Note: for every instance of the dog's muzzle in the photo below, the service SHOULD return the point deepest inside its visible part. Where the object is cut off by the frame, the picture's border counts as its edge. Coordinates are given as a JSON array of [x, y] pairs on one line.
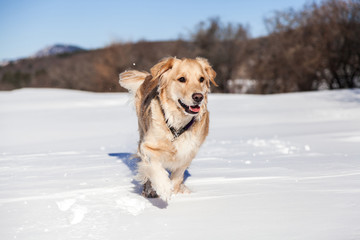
[[195, 109]]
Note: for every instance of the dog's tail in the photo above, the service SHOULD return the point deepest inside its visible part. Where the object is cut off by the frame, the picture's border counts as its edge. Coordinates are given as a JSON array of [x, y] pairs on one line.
[[132, 80]]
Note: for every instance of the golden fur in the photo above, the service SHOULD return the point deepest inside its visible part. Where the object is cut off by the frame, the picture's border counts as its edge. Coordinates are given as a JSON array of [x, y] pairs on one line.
[[157, 96]]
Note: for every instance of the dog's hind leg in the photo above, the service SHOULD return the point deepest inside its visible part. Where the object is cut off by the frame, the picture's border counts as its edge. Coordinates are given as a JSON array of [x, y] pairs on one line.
[[177, 177]]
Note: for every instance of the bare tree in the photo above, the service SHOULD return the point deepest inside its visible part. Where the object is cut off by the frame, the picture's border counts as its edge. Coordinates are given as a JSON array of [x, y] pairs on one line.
[[318, 44], [223, 45]]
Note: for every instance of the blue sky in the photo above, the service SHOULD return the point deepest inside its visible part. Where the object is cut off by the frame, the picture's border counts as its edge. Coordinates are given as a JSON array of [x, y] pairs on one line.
[[29, 25]]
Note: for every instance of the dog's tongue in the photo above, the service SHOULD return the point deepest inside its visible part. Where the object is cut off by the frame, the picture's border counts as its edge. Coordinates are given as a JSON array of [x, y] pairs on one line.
[[194, 108]]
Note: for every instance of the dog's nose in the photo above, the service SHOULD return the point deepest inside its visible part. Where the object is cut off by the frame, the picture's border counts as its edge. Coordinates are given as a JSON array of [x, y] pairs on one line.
[[198, 97]]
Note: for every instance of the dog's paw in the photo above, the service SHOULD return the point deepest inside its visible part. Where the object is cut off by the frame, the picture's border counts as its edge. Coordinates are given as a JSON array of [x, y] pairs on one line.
[[149, 191], [182, 189], [164, 191]]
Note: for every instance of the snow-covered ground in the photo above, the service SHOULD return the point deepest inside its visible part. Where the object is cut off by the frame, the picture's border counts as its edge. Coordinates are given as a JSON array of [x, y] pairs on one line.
[[273, 167]]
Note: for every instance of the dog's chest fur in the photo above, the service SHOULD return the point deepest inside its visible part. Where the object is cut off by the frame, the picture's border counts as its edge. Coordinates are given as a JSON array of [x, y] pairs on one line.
[[186, 147], [176, 152], [188, 143]]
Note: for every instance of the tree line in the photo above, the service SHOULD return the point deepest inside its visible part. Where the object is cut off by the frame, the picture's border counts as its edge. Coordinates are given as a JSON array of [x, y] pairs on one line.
[[315, 47]]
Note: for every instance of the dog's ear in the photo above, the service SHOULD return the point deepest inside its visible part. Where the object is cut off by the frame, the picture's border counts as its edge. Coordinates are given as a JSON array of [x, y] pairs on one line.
[[161, 67], [208, 69]]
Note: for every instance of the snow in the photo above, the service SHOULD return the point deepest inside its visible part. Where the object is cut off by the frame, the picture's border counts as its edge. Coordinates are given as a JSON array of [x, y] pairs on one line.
[[273, 167]]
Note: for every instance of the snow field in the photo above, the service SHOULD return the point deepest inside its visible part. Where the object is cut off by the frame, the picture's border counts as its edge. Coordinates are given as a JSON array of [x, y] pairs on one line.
[[273, 167]]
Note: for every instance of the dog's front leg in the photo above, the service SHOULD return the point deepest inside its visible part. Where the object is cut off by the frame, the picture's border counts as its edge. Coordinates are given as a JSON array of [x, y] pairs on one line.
[[151, 169]]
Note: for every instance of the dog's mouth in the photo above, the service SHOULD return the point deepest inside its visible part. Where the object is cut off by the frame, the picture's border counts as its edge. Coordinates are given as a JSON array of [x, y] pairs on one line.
[[195, 109]]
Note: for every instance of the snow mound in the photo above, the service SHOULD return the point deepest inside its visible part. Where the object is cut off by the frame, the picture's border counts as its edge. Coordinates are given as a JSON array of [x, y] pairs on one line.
[[132, 206]]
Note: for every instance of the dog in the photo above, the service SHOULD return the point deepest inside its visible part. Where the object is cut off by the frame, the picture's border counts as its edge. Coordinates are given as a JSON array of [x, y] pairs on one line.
[[173, 120]]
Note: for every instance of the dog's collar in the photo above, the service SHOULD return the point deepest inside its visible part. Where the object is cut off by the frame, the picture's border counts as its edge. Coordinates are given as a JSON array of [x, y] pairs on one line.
[[177, 133]]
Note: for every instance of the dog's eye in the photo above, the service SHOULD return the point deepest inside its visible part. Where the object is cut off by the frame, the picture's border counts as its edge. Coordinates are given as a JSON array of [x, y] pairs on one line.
[[201, 79], [182, 79]]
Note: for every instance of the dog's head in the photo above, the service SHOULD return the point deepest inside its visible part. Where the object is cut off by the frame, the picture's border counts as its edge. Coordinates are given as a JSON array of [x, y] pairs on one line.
[[185, 82]]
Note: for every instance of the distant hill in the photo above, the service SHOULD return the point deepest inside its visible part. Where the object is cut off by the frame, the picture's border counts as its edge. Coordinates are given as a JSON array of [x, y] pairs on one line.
[[56, 50], [91, 70]]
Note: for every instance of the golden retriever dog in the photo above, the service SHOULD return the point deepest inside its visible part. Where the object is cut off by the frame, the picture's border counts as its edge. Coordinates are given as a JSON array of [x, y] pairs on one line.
[[171, 106]]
